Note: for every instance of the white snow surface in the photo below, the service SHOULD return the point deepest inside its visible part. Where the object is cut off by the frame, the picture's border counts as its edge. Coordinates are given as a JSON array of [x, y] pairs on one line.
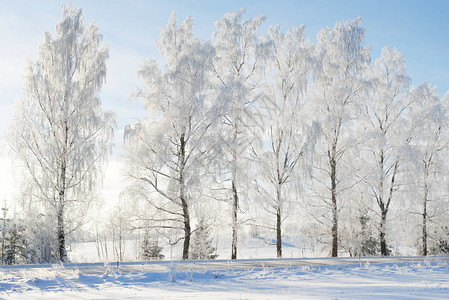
[[428, 279]]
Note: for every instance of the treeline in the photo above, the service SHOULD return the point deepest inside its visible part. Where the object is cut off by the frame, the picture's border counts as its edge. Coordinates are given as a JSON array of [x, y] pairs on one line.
[[267, 131]]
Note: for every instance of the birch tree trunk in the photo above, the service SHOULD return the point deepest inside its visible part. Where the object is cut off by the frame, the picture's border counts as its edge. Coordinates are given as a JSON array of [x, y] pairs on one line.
[[235, 197], [61, 233], [183, 198], [424, 211], [333, 178], [278, 233], [235, 206]]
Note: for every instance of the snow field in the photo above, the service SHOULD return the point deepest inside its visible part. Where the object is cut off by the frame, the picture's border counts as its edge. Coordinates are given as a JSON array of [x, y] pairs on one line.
[[424, 280]]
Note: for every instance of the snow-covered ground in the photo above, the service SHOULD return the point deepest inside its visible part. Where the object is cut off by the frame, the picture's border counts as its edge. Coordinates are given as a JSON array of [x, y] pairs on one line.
[[405, 280], [258, 275]]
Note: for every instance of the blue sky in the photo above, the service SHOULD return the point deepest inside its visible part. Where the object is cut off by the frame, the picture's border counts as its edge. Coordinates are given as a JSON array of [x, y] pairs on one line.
[[419, 29]]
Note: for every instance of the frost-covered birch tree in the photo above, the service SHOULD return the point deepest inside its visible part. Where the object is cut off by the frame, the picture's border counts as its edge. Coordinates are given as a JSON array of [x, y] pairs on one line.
[[238, 68], [168, 153], [385, 107], [343, 59], [430, 144], [59, 130], [283, 134]]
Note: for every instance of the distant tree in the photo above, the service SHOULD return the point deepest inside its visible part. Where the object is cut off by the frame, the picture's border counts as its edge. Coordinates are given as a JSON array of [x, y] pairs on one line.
[[283, 135], [368, 244], [101, 242], [386, 127], [118, 228], [167, 155], [40, 238], [358, 236], [440, 245], [338, 84], [430, 142], [16, 244], [150, 249], [238, 66], [4, 227], [202, 242], [59, 130]]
